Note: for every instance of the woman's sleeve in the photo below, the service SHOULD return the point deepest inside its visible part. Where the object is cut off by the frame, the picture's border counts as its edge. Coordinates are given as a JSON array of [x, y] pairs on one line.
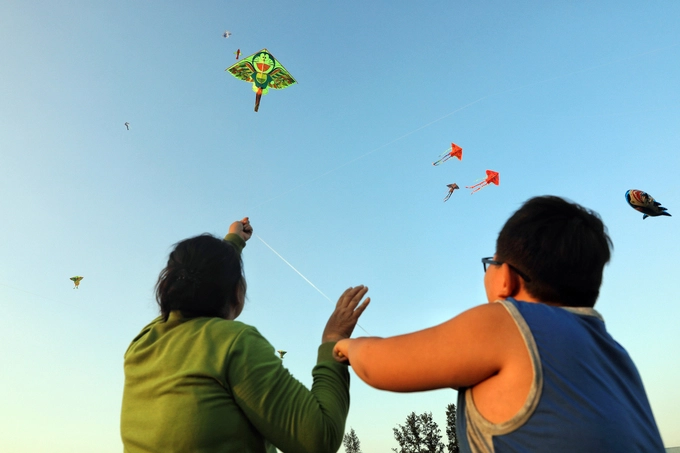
[[236, 240], [290, 416]]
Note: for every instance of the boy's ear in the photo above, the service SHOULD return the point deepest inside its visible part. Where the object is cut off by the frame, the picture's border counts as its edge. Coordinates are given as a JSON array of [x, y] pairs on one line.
[[510, 282]]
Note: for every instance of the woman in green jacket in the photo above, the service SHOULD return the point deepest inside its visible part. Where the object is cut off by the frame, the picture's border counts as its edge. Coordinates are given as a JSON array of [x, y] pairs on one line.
[[196, 380]]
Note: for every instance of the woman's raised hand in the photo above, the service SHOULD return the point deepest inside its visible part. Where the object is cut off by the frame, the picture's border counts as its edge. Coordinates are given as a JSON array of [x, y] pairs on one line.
[[346, 314], [242, 228]]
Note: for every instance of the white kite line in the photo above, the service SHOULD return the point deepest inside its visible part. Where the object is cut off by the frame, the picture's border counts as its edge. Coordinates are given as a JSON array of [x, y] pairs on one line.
[[549, 79], [509, 90], [300, 274]]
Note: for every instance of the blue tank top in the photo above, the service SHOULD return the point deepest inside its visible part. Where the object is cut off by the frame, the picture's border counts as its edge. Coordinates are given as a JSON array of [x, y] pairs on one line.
[[586, 396]]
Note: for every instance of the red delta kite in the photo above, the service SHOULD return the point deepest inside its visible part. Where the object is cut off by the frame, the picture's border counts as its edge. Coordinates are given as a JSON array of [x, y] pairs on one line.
[[454, 151], [492, 177]]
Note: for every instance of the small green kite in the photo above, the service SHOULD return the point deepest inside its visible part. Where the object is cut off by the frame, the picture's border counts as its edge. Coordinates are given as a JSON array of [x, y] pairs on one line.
[[264, 71], [76, 280]]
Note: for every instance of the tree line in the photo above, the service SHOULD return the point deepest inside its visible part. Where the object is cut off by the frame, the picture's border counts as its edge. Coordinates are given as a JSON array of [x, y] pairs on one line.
[[420, 434]]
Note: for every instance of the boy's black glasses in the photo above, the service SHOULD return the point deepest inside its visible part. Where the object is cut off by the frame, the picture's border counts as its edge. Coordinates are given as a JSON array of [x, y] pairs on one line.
[[489, 260]]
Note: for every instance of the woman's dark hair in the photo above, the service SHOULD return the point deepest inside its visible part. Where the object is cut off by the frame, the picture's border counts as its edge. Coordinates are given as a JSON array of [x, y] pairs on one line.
[[203, 277], [561, 246]]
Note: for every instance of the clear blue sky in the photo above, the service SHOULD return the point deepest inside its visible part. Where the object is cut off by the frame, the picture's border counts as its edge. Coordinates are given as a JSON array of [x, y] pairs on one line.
[[579, 99]]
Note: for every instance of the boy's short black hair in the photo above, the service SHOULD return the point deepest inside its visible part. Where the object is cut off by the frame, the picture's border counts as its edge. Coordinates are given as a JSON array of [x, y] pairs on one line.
[[561, 246]]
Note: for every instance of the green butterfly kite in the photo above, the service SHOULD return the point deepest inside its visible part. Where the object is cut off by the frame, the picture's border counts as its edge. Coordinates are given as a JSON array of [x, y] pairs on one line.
[[264, 71], [76, 281]]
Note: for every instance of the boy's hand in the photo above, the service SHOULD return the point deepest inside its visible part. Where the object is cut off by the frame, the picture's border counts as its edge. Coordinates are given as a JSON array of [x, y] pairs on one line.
[[340, 351]]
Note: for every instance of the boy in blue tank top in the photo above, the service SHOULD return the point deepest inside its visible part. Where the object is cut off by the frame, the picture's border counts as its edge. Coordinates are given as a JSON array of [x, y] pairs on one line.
[[535, 369]]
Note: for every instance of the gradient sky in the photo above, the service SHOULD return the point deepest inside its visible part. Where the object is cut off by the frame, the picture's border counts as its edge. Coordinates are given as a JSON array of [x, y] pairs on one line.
[[579, 99]]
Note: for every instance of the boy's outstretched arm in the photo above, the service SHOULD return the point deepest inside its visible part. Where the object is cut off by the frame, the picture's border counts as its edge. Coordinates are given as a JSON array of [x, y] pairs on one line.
[[462, 352]]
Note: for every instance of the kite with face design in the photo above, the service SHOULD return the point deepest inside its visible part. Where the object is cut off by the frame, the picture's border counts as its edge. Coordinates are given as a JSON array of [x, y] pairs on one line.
[[264, 71]]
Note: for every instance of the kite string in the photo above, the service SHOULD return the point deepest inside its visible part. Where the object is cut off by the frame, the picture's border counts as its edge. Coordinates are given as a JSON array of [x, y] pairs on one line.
[[33, 294], [369, 152], [425, 126], [498, 93], [300, 274], [293, 267]]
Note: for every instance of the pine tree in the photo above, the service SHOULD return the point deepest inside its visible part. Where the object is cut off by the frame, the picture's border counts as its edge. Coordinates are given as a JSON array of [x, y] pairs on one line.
[[351, 442], [451, 429], [420, 434]]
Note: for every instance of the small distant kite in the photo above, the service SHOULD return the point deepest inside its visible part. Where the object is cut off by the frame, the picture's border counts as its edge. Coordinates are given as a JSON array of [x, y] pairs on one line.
[[237, 53], [492, 177], [127, 125], [281, 353], [644, 203], [264, 71], [451, 187], [226, 33], [76, 280], [454, 151]]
